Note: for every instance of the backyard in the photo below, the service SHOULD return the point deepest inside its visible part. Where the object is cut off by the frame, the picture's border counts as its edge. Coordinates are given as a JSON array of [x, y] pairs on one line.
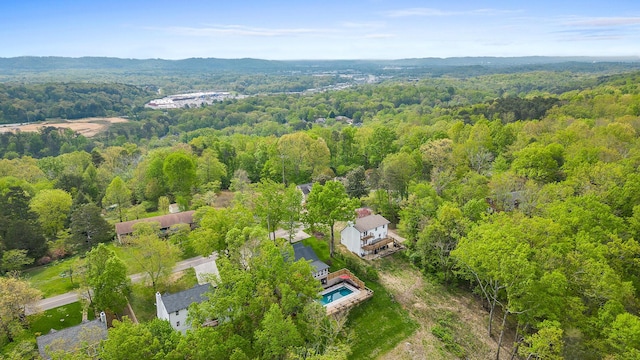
[[376, 325]]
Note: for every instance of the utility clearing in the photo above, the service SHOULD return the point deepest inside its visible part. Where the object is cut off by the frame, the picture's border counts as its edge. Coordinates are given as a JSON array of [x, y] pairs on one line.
[[453, 324]]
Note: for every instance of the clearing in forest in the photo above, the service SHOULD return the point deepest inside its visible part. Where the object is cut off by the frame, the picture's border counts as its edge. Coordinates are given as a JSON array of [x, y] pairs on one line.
[[452, 324], [87, 127]]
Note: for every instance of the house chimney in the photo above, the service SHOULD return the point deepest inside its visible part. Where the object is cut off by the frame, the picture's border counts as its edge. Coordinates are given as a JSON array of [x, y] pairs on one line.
[[103, 317], [159, 312]]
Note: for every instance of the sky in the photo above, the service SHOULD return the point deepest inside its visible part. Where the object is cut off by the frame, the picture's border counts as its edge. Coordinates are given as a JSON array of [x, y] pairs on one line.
[[310, 29]]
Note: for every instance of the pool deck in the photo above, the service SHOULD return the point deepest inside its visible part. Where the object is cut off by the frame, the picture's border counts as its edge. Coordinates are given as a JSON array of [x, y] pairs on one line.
[[345, 277]]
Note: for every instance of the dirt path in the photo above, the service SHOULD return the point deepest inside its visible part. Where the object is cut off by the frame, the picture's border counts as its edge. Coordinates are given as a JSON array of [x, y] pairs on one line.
[[433, 305]]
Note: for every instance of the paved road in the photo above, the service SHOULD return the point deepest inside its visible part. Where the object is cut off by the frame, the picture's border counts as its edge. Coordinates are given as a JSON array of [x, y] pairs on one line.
[[72, 296]]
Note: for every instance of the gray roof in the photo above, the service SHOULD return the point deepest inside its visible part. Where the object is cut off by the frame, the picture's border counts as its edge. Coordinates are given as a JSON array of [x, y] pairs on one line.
[[87, 333], [165, 221], [305, 188], [319, 265], [370, 222], [301, 251], [182, 300]]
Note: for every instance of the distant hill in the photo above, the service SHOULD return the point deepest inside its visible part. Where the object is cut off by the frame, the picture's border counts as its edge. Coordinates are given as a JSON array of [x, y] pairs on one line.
[[31, 64]]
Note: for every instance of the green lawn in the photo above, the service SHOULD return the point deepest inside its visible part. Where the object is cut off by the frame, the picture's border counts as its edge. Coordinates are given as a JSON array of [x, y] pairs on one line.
[[40, 324], [59, 318], [378, 324], [52, 279]]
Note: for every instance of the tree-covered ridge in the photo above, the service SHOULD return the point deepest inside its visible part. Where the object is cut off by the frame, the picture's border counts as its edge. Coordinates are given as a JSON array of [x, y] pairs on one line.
[[29, 103]]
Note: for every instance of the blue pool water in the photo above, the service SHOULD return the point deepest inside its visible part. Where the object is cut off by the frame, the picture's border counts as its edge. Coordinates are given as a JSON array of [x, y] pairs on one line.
[[334, 295]]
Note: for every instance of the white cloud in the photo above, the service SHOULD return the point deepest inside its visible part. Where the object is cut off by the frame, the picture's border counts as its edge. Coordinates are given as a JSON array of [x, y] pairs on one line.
[[431, 12], [605, 21], [241, 30]]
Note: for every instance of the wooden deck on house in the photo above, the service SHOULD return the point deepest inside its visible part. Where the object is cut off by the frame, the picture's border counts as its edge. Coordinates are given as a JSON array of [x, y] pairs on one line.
[[392, 238]]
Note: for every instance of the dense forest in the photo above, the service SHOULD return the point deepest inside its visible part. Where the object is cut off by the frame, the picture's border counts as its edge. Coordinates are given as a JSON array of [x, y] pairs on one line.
[[521, 187]]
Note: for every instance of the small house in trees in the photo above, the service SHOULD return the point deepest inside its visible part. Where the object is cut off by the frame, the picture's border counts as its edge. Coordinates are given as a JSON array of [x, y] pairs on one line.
[[125, 228], [85, 337], [320, 269], [367, 235], [305, 189], [174, 307]]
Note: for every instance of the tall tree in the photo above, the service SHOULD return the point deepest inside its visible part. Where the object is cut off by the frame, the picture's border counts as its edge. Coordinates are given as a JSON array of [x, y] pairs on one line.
[[292, 202], [210, 169], [180, 172], [117, 194], [107, 276], [88, 227], [52, 207], [269, 204], [380, 144], [155, 258], [356, 183], [328, 204], [15, 296], [20, 228], [214, 224]]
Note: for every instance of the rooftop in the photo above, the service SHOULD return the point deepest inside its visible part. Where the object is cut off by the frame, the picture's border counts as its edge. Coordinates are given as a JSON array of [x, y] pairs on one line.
[[302, 251], [370, 222], [182, 300], [67, 340], [305, 188]]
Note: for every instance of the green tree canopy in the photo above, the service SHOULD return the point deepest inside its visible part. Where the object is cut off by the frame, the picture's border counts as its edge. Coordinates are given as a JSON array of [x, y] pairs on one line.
[[328, 204], [52, 207]]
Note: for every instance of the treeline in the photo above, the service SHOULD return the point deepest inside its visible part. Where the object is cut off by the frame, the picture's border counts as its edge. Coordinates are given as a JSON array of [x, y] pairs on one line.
[[29, 103], [48, 141]]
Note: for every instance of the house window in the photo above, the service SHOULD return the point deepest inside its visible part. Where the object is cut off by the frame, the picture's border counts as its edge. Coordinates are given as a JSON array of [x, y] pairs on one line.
[[177, 323], [177, 312]]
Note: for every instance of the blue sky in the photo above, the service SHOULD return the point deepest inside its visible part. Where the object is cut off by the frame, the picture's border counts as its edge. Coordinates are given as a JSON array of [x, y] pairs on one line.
[[346, 29]]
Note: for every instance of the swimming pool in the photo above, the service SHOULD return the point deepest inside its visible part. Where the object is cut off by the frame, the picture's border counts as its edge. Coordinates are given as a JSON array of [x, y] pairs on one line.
[[335, 294]]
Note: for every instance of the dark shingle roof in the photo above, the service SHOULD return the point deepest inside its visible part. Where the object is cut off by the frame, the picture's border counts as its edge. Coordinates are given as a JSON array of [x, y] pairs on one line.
[[370, 222], [305, 188], [73, 337], [166, 221], [182, 300], [301, 251]]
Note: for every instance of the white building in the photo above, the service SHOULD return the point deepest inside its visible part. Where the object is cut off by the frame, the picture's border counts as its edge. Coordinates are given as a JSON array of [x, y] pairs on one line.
[[174, 307], [366, 235]]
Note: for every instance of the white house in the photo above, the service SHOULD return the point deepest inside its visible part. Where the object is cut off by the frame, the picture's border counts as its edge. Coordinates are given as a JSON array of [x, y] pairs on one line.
[[174, 307], [366, 235], [320, 269]]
